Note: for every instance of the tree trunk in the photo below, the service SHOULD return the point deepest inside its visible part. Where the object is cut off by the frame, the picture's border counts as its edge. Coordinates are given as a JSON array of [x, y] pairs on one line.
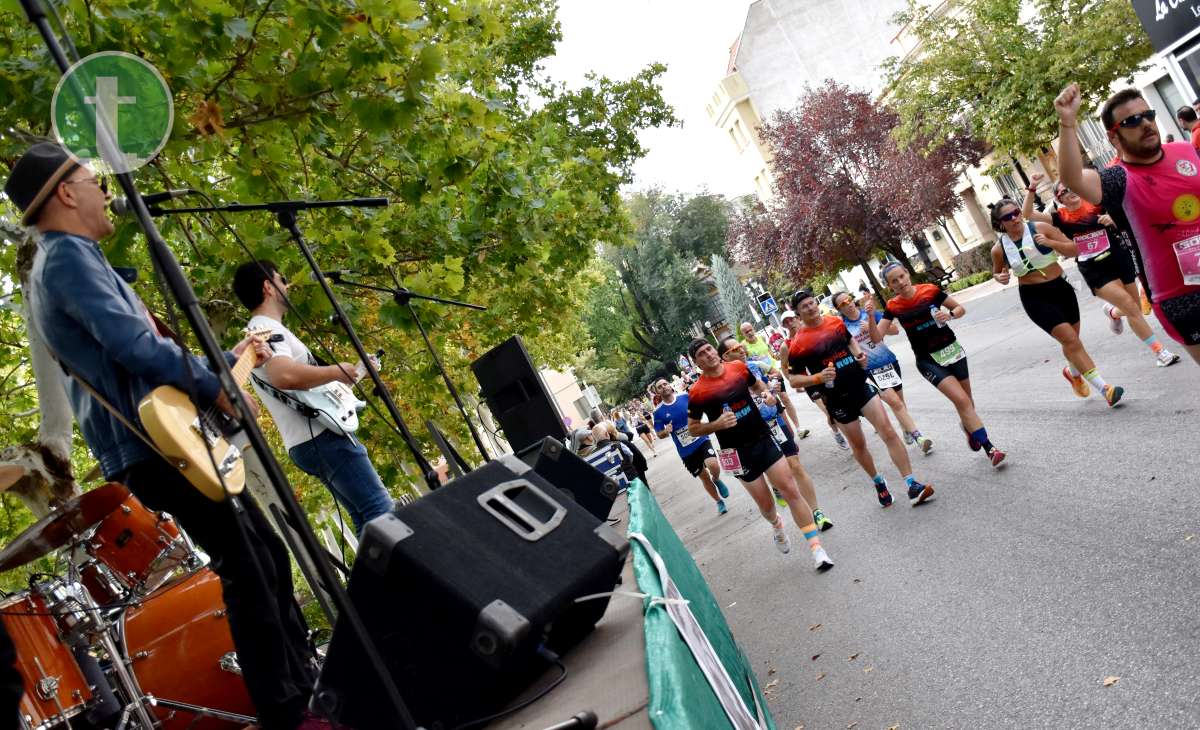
[[39, 473], [875, 285], [949, 235]]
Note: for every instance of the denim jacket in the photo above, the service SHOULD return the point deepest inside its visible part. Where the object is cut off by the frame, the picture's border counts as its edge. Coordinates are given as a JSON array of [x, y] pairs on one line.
[[95, 324]]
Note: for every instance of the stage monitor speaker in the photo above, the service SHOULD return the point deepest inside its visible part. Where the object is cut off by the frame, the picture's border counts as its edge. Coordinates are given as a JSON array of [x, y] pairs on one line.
[[516, 395], [573, 476], [461, 589]]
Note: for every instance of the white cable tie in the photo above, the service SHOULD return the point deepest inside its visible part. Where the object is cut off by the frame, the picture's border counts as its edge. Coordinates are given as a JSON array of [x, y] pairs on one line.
[[654, 600]]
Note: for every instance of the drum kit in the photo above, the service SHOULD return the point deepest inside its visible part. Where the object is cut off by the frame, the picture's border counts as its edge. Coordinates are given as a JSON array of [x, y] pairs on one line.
[[134, 635]]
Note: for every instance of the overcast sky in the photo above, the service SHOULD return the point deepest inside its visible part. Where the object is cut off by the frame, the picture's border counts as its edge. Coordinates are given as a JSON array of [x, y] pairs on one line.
[[617, 38]]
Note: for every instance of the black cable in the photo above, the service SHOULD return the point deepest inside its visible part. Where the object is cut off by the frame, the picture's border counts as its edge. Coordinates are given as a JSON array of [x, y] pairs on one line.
[[548, 656]]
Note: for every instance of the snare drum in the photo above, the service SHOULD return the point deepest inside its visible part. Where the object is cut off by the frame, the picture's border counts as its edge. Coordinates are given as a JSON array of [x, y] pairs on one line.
[[181, 651], [55, 688], [142, 548]]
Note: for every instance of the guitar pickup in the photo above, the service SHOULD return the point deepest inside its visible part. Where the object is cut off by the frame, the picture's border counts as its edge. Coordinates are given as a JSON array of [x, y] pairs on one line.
[[232, 456]]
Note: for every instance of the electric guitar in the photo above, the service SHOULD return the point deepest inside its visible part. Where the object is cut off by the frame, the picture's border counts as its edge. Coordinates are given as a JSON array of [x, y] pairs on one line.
[[192, 440], [334, 404]]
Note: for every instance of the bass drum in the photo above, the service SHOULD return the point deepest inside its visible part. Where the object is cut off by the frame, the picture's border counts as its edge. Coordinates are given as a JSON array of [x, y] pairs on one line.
[[181, 651]]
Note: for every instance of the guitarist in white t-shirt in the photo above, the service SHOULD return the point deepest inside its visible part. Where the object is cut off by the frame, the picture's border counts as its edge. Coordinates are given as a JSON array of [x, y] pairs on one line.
[[332, 455]]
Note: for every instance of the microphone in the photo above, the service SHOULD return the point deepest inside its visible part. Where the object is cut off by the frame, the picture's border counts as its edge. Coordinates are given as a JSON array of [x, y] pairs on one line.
[[334, 275], [122, 206]]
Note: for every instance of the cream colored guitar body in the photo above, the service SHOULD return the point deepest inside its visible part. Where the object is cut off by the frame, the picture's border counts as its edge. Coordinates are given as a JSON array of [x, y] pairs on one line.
[[188, 438]]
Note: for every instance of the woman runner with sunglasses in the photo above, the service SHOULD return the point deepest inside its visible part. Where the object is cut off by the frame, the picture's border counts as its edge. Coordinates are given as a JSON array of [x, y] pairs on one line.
[[1031, 251], [1104, 264], [921, 311]]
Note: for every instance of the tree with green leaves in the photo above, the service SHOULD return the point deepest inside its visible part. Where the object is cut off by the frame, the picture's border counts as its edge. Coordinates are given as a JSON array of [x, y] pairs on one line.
[[501, 181], [993, 67], [735, 305]]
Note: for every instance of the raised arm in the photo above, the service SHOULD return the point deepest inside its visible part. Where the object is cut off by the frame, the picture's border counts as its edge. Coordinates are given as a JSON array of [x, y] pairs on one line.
[[1070, 158], [1027, 208]]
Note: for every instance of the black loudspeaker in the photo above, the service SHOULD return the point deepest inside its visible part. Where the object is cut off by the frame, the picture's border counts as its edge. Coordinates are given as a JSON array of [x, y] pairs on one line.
[[516, 395], [461, 588], [572, 476]]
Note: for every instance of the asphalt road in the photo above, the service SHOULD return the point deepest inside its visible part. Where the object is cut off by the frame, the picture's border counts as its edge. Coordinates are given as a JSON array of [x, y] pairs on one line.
[[1009, 599]]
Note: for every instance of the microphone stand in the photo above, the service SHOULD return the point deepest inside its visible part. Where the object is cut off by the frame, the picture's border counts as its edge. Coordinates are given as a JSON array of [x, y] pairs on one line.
[[285, 212], [186, 299], [404, 296]]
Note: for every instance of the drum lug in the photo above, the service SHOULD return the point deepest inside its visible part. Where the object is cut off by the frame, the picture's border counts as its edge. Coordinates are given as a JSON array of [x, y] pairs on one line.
[[229, 663], [220, 613], [137, 656], [47, 688]]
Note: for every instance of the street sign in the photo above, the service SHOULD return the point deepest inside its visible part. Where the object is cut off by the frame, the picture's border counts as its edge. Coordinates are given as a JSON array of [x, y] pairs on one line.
[[767, 304]]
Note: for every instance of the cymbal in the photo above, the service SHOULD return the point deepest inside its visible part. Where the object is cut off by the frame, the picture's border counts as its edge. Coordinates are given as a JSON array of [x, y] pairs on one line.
[[62, 525]]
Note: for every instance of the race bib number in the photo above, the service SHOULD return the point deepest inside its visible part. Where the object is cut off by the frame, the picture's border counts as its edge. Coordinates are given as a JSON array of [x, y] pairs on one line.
[[887, 377], [730, 461], [777, 432], [1092, 244], [1187, 253], [685, 437], [949, 354]]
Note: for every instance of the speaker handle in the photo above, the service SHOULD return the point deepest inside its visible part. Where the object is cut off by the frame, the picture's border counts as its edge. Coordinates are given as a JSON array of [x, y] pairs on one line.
[[510, 514]]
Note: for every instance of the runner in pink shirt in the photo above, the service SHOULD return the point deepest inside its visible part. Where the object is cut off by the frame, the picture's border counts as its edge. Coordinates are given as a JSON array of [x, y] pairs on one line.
[[1156, 187]]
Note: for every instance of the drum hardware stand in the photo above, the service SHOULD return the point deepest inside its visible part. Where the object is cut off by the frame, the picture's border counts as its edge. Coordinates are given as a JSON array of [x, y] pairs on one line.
[[175, 281]]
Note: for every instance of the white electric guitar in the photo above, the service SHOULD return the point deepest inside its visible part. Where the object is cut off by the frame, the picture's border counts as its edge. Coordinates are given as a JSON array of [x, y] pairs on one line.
[[334, 404]]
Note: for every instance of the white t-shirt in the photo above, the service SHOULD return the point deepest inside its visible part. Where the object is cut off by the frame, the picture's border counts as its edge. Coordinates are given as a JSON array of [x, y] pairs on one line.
[[293, 427]]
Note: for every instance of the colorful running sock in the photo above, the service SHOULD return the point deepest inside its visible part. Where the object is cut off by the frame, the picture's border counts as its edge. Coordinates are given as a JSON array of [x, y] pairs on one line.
[[878, 479], [1071, 369], [908, 480], [1153, 343], [981, 438], [1093, 377], [916, 434], [812, 534]]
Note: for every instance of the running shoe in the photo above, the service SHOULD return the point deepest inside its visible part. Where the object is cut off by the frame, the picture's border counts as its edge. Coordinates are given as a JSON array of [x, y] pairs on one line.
[[1112, 394], [885, 497], [821, 520], [840, 440], [908, 439], [1078, 384], [821, 559], [779, 500], [918, 493], [722, 489], [925, 443], [971, 442], [1115, 323], [997, 456], [782, 543], [803, 433], [1166, 358], [721, 508]]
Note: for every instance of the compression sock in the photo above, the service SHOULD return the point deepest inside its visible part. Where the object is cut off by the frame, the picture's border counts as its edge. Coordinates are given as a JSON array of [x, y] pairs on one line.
[[1093, 377], [1153, 343], [811, 534], [981, 438]]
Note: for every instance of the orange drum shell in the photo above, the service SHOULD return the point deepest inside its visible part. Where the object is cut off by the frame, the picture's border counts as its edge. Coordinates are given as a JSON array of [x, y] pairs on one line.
[[176, 640], [37, 637], [131, 539]]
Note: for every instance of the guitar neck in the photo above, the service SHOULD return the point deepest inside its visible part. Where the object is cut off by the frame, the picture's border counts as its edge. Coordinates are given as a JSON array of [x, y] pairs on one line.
[[241, 369]]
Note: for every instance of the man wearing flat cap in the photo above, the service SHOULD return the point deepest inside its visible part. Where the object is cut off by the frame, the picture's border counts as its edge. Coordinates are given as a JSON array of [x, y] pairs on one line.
[[99, 329]]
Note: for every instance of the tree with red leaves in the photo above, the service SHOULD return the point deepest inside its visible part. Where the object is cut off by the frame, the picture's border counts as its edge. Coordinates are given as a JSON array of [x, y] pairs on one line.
[[844, 189]]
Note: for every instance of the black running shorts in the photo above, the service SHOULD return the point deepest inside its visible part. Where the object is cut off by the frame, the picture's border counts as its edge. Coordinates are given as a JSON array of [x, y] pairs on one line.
[[1050, 303], [1114, 264], [935, 373], [1180, 317], [694, 462], [788, 445], [757, 457], [847, 407]]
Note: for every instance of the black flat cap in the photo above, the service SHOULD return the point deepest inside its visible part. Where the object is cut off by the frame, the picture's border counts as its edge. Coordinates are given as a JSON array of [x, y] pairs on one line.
[[36, 175]]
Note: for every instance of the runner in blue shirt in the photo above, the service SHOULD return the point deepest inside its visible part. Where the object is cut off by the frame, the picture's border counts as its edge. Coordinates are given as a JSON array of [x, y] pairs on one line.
[[731, 349], [671, 419], [882, 364]]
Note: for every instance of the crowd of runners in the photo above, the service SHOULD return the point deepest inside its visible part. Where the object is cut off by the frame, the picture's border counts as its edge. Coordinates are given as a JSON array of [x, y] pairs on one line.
[[1138, 218]]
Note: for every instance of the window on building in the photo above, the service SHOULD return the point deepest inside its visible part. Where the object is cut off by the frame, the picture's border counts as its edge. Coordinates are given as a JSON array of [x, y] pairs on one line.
[[1008, 186], [738, 133], [1189, 62], [1094, 139]]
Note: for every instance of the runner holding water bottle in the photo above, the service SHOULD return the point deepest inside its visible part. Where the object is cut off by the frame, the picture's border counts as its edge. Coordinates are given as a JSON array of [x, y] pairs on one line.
[[823, 352], [723, 396], [923, 311]]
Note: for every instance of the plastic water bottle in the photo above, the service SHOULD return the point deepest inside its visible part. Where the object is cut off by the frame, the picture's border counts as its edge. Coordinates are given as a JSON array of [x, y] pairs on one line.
[[829, 383], [932, 313]]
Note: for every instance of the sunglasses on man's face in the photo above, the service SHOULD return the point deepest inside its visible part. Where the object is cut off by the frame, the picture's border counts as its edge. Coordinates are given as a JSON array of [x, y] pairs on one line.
[[1011, 215], [1133, 121], [101, 182]]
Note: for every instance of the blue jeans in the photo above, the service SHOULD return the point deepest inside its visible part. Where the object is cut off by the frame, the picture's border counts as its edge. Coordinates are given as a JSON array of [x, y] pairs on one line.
[[342, 465]]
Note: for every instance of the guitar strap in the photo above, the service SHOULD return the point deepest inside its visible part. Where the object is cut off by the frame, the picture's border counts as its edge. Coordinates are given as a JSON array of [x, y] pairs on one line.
[[286, 398]]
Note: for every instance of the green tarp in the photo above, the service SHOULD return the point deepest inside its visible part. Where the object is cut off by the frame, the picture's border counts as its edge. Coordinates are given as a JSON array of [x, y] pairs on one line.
[[680, 696]]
